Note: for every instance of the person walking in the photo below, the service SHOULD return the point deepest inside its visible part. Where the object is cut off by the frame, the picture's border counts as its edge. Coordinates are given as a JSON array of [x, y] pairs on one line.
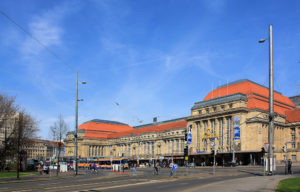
[[40, 169], [171, 169], [156, 167], [290, 166], [95, 168]]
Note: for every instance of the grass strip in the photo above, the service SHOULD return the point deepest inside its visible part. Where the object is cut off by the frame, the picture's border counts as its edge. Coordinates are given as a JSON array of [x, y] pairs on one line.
[[14, 174], [289, 185]]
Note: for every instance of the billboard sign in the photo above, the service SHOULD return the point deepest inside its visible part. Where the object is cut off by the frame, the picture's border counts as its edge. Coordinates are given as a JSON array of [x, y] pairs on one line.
[[236, 128], [189, 136]]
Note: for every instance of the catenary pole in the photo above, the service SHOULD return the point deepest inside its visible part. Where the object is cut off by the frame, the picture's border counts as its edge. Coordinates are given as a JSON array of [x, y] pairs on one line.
[[271, 103], [76, 125]]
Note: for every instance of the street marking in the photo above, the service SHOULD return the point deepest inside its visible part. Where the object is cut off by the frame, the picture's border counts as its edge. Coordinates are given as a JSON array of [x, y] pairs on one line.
[[126, 185]]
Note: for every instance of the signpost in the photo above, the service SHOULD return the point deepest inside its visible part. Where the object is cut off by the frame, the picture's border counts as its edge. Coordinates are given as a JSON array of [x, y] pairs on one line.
[[266, 145]]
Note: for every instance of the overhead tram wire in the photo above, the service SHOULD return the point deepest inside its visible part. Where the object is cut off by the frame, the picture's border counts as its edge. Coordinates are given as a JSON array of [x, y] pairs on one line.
[[38, 41], [54, 54]]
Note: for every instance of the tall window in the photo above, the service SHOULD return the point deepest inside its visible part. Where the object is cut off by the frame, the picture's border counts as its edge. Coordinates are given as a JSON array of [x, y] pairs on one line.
[[129, 149], [159, 149], [228, 131], [172, 146], [293, 134], [182, 146], [152, 148], [213, 125], [205, 123], [198, 124], [221, 134], [148, 148], [177, 145]]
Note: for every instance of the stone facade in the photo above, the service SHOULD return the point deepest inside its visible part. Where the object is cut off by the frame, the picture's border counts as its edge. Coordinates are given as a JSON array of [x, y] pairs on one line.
[[43, 150], [232, 120], [162, 140]]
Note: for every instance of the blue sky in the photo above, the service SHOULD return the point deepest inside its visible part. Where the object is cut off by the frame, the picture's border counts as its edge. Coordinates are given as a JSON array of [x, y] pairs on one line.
[[154, 58]]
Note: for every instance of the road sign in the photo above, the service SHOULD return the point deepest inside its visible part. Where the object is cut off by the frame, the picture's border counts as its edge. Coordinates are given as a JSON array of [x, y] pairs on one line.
[[267, 145], [212, 143]]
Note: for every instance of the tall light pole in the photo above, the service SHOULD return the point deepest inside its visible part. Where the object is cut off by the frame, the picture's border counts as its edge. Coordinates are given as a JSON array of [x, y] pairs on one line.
[[271, 102], [76, 123]]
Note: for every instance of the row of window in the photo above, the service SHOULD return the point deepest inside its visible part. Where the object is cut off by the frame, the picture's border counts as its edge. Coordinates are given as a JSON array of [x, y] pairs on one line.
[[215, 109], [149, 136]]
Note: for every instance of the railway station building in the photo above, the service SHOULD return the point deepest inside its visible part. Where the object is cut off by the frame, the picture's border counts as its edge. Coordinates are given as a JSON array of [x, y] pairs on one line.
[[230, 122]]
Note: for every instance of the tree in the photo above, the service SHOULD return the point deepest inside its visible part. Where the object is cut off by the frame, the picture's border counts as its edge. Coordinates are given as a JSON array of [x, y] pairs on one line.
[[17, 129], [8, 109], [24, 131], [58, 131]]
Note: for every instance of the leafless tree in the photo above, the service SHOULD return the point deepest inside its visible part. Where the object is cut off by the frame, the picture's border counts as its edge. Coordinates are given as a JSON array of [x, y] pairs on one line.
[[8, 109], [58, 131], [24, 132], [17, 129]]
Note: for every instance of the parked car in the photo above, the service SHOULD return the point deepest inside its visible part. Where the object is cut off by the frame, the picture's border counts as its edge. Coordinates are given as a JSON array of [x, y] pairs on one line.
[[230, 164], [190, 165]]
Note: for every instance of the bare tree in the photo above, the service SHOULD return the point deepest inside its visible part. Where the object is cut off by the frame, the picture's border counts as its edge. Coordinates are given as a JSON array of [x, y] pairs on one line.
[[17, 129], [58, 131], [8, 109], [24, 131]]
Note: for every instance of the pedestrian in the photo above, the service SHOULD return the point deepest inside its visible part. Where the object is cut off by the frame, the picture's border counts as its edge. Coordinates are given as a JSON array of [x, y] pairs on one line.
[[94, 167], [290, 166], [40, 169], [171, 169], [156, 167], [134, 170]]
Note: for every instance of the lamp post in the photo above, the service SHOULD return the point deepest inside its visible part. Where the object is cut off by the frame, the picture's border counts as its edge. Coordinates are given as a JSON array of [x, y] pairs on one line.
[[76, 123], [271, 102]]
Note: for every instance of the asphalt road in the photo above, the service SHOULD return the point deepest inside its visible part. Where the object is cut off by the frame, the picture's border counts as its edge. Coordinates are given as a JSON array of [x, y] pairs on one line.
[[184, 179]]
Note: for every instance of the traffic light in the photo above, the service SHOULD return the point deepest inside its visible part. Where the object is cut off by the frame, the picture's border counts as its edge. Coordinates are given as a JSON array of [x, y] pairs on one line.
[[186, 151], [263, 150], [185, 136]]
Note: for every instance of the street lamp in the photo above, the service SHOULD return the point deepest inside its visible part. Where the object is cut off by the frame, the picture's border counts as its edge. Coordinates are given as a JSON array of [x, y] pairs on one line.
[[271, 102], [76, 123]]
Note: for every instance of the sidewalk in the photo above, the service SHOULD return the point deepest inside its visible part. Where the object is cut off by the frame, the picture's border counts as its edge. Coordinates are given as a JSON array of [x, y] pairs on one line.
[[255, 183]]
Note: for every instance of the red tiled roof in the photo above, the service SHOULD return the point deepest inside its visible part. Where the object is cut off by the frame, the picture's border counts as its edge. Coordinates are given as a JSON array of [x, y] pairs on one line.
[[257, 95], [150, 129], [293, 116], [101, 130]]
